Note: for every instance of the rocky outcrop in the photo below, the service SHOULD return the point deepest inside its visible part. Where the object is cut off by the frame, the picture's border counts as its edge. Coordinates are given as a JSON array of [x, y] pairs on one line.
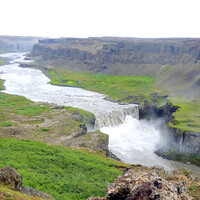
[[183, 141], [10, 178], [100, 52], [142, 185], [173, 138], [35, 193]]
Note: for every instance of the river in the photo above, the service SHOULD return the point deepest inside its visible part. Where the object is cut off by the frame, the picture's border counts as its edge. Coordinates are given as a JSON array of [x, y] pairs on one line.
[[130, 139]]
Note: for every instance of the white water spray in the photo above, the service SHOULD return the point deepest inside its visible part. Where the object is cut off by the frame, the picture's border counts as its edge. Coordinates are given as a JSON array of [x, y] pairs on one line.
[[134, 141]]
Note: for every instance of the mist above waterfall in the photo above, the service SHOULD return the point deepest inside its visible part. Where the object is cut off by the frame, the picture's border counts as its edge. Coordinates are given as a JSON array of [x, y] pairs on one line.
[[134, 141]]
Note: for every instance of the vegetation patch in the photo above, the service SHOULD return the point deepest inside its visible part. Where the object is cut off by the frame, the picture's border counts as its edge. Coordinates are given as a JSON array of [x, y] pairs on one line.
[[30, 110], [187, 117], [2, 62], [44, 129], [10, 104], [117, 87], [2, 87], [7, 124], [64, 173]]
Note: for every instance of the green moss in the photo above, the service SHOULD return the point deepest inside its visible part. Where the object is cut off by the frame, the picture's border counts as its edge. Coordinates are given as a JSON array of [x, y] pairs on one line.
[[186, 172], [2, 87], [6, 124], [62, 172], [44, 129], [193, 188]]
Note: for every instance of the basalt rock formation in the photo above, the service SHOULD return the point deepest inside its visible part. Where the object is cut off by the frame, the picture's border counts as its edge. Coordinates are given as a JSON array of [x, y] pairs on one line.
[[105, 51], [146, 185]]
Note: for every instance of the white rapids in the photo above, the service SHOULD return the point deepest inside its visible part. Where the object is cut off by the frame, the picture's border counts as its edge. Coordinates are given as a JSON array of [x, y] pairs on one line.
[[130, 139]]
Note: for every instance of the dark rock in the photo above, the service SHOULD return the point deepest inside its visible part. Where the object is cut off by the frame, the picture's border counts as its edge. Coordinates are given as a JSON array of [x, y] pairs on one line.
[[10, 176], [83, 126], [35, 193], [58, 107], [144, 192], [13, 180], [158, 183]]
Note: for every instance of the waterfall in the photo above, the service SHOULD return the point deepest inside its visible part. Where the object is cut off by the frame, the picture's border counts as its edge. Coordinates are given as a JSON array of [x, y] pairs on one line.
[[116, 117]]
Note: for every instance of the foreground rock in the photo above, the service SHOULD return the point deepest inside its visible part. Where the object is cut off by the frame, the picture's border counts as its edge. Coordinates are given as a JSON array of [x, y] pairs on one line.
[[146, 185], [10, 178]]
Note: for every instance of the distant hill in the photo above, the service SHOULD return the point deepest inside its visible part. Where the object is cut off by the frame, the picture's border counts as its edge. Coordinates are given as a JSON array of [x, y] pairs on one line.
[[175, 62], [17, 43]]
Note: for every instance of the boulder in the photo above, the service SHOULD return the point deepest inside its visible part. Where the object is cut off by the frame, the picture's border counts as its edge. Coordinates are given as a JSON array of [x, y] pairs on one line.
[[143, 185], [35, 193], [11, 178]]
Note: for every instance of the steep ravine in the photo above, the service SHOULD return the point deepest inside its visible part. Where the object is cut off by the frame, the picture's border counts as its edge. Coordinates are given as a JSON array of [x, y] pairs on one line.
[[185, 144]]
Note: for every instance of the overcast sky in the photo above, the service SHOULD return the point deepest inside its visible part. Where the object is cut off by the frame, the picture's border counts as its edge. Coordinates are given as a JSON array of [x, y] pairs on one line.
[[89, 18]]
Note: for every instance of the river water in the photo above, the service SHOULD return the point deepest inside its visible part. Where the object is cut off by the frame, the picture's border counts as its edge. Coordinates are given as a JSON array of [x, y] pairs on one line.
[[130, 139]]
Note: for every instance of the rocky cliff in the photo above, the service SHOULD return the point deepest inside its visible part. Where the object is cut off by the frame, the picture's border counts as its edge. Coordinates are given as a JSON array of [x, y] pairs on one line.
[[175, 142], [17, 43], [174, 62], [99, 54], [105, 51]]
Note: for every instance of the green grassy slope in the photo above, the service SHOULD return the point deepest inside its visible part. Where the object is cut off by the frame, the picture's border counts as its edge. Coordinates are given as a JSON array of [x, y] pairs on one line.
[[118, 87], [187, 118], [64, 173], [8, 194]]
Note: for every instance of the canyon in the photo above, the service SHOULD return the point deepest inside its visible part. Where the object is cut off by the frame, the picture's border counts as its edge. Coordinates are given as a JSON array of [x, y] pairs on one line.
[[172, 62]]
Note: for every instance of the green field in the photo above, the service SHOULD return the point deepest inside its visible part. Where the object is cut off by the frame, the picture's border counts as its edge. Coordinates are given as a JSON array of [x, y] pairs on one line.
[[187, 118], [64, 173], [117, 87], [19, 105]]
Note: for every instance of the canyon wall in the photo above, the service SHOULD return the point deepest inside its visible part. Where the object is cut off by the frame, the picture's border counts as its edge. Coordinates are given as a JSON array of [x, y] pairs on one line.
[[17, 43]]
